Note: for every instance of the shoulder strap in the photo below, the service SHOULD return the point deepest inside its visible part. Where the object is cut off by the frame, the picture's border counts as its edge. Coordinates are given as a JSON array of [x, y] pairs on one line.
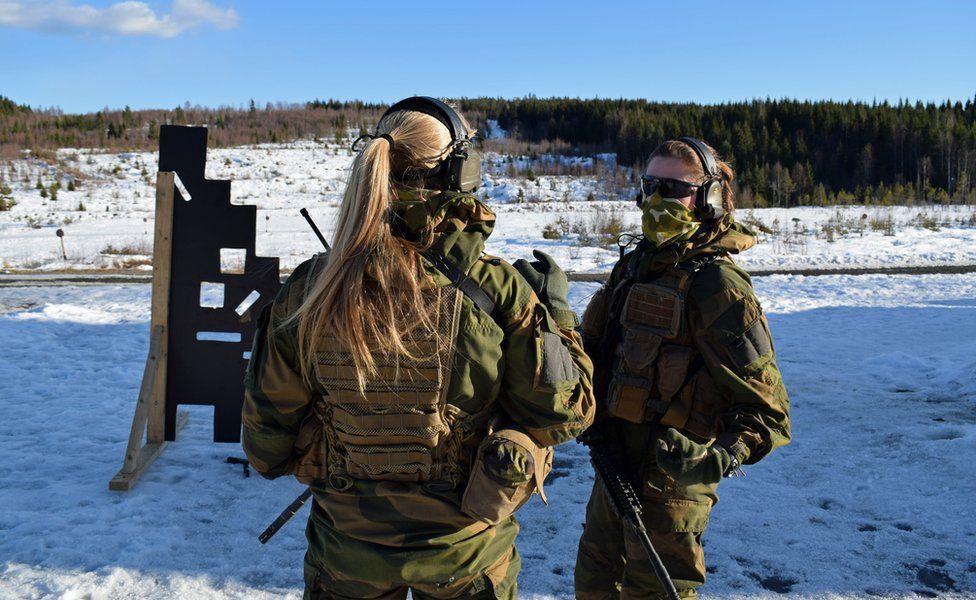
[[461, 281], [690, 268]]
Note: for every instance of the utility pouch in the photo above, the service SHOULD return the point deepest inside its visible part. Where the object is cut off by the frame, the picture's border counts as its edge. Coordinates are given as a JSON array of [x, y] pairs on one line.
[[672, 369], [628, 397], [653, 309], [631, 386], [508, 469]]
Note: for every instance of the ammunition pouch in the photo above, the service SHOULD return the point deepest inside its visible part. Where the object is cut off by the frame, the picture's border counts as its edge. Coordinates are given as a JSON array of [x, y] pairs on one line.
[[657, 372], [509, 467]]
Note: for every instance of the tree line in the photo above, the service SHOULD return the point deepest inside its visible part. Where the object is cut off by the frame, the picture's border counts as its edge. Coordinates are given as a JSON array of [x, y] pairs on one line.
[[785, 152], [22, 127]]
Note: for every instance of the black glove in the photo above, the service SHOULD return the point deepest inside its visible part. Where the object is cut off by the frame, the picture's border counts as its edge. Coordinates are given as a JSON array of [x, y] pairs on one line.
[[550, 284], [689, 462]]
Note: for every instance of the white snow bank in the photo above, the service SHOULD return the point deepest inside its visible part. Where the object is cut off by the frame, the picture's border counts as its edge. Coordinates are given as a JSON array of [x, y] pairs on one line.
[[874, 497]]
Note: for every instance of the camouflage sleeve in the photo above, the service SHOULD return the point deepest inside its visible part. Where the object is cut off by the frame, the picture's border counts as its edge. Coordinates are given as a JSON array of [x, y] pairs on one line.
[[276, 397], [594, 322], [595, 329], [733, 337], [547, 383]]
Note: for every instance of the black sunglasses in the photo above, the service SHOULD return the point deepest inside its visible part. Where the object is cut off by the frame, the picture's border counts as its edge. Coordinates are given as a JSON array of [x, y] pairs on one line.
[[669, 188]]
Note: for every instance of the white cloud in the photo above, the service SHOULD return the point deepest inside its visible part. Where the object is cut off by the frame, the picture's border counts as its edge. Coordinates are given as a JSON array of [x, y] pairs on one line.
[[122, 18]]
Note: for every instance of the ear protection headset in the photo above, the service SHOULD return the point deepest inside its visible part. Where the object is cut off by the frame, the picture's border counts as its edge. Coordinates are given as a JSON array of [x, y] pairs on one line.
[[708, 198], [460, 171]]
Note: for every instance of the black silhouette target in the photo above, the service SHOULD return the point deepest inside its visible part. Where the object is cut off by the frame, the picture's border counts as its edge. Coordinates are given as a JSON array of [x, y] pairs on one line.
[[218, 286]]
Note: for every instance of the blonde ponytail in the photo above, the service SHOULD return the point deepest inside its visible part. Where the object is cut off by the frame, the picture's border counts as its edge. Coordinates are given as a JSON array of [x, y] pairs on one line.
[[370, 293]]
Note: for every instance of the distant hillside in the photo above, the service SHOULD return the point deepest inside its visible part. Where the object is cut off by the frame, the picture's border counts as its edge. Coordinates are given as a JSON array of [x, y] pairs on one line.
[[8, 106], [784, 151]]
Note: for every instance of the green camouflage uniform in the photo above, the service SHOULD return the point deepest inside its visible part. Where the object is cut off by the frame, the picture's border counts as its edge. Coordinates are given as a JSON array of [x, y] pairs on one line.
[[373, 538], [729, 392]]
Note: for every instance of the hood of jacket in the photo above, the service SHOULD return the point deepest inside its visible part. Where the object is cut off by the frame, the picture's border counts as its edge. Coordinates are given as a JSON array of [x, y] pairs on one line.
[[727, 236], [459, 222]]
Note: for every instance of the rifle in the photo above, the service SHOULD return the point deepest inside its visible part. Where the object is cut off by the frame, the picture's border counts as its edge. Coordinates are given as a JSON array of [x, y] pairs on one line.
[[625, 503], [300, 501], [285, 516]]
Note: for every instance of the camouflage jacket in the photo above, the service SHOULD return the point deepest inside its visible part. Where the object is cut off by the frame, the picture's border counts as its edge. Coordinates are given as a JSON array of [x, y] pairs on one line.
[[738, 395], [495, 368]]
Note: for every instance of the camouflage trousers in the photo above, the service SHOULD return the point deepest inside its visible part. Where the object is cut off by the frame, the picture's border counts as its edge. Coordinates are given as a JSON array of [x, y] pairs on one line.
[[612, 563], [499, 580]]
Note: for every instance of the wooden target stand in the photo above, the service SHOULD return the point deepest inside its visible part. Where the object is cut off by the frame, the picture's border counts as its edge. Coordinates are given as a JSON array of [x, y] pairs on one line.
[[149, 420], [204, 309]]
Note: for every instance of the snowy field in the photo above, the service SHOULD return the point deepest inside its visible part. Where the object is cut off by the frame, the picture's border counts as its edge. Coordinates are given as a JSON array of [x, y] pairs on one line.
[[874, 498], [108, 219]]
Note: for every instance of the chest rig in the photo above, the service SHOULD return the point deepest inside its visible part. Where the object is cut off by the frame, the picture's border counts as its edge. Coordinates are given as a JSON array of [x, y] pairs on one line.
[[399, 427], [656, 372]]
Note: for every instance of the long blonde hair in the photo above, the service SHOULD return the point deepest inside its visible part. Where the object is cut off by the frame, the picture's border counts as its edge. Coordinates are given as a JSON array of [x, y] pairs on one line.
[[370, 293]]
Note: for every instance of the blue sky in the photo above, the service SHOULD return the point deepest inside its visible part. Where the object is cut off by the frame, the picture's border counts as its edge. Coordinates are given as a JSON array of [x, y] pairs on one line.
[[83, 55]]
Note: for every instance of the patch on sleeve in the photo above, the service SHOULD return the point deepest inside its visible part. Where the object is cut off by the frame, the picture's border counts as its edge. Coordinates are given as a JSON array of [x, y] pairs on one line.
[[750, 346], [557, 364]]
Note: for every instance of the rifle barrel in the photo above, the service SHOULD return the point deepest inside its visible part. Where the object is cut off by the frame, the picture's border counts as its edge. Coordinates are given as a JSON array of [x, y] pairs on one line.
[[285, 516], [311, 223]]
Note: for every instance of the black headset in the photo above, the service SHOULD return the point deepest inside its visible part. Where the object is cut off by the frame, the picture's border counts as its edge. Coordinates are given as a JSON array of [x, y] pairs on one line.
[[708, 198], [460, 171]]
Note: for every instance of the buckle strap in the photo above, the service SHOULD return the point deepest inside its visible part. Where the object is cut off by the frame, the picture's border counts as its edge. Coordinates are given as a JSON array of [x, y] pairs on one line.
[[461, 281]]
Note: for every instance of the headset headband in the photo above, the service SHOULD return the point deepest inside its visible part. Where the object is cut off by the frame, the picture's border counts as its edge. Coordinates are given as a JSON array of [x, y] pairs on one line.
[[435, 108], [704, 155]]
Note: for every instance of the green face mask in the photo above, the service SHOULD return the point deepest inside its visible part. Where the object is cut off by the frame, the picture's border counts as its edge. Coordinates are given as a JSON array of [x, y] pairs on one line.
[[667, 220]]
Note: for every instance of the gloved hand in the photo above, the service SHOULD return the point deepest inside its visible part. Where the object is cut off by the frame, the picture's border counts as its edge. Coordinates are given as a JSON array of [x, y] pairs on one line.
[[550, 284], [689, 462]]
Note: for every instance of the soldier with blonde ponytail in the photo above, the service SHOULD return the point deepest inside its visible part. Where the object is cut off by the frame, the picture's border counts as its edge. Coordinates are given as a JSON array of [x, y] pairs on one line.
[[369, 292], [685, 373], [416, 384]]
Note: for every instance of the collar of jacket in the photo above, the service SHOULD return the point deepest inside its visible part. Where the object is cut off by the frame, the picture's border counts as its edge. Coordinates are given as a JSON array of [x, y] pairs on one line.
[[459, 222], [727, 236]]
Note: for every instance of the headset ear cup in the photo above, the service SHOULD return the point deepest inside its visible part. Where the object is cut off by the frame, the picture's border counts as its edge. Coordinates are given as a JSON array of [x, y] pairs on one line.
[[708, 200], [701, 204], [469, 171], [713, 196], [454, 172]]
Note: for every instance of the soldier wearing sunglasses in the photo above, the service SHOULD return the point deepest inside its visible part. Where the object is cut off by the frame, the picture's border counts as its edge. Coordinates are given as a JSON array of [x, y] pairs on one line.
[[685, 373]]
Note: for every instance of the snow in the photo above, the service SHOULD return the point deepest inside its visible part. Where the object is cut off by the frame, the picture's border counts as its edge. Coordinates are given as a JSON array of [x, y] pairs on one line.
[[117, 191], [874, 498]]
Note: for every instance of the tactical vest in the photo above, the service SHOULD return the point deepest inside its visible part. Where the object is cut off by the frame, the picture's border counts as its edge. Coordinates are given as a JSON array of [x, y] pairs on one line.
[[657, 374], [399, 427]]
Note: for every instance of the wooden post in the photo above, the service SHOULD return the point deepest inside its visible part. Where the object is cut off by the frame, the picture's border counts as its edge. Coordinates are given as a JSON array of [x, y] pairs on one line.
[[162, 265], [150, 414]]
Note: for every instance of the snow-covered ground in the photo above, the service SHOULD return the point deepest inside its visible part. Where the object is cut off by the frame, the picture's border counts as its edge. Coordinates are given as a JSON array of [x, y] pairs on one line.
[[874, 498], [117, 194]]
